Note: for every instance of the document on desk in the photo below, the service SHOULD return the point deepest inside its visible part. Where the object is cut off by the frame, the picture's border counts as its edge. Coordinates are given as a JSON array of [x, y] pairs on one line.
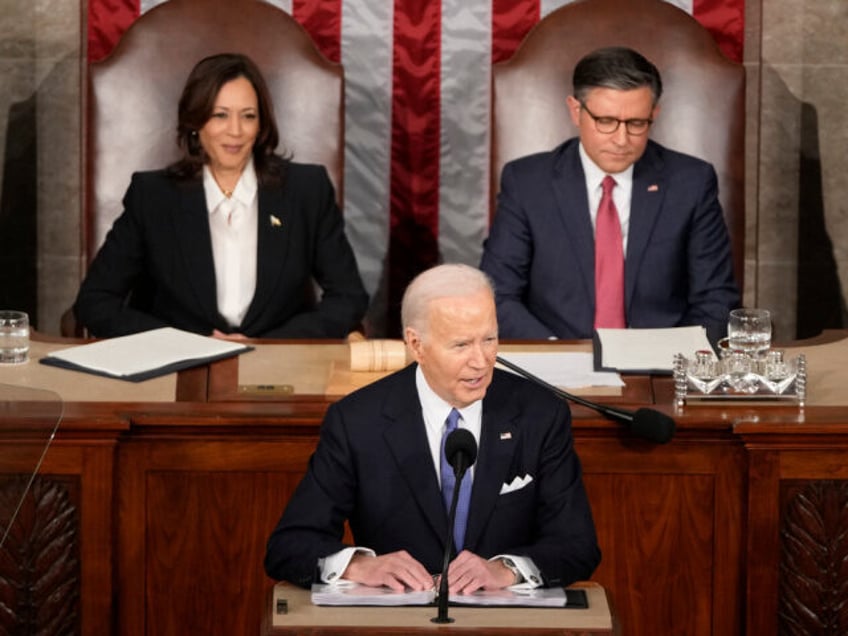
[[515, 597], [144, 355], [646, 350], [352, 594], [566, 370]]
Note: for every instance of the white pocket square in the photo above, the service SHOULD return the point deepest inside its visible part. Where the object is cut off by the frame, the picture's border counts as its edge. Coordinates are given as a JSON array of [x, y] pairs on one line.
[[516, 484]]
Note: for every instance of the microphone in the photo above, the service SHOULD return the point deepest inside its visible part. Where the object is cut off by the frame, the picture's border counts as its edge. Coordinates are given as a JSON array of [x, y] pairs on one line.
[[461, 453], [645, 423]]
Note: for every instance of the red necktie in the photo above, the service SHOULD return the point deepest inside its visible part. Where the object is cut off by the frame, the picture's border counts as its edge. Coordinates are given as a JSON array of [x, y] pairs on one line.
[[609, 263]]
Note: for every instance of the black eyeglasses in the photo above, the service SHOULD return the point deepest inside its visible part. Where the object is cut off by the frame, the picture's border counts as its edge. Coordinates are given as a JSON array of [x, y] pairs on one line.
[[608, 125]]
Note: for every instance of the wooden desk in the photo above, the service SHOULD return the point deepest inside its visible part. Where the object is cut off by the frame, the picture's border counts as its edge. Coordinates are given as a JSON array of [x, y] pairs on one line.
[[305, 619], [698, 536]]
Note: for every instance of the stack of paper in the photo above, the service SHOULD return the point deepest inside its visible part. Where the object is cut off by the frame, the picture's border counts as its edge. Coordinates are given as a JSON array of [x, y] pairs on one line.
[[646, 350], [349, 593], [566, 370], [536, 597]]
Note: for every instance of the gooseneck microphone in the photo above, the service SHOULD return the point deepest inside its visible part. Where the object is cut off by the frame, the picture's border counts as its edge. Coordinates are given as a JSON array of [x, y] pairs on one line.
[[646, 423], [461, 452]]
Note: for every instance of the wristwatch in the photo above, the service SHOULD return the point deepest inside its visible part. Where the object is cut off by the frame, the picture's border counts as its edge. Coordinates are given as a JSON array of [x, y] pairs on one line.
[[510, 565]]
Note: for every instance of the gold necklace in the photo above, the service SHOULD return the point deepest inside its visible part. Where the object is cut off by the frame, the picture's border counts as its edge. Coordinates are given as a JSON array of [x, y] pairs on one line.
[[227, 193]]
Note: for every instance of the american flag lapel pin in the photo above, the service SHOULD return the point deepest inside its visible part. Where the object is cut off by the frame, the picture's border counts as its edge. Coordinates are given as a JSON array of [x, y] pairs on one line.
[[506, 435], [653, 188], [275, 221]]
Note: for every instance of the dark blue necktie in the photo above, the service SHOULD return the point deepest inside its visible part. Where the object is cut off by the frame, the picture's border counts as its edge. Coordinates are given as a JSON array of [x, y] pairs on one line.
[[448, 483]]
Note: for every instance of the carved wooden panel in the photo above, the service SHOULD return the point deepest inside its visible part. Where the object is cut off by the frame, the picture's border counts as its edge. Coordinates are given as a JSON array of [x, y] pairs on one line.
[[813, 581], [39, 562]]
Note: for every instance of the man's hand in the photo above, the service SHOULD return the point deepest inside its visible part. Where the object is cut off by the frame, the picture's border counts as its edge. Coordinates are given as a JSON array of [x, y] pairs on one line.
[[468, 573], [396, 570]]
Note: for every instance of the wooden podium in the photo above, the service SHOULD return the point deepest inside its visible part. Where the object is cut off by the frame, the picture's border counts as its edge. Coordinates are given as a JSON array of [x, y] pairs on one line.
[[291, 613], [151, 482]]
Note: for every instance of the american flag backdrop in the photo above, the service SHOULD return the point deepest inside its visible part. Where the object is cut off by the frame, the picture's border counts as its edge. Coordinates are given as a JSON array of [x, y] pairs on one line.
[[417, 85]]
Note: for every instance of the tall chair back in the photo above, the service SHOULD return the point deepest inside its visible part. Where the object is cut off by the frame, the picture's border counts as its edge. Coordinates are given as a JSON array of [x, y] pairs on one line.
[[703, 102], [133, 94]]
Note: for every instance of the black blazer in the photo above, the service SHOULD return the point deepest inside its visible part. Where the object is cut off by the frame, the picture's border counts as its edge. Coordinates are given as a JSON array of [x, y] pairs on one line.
[[156, 268], [373, 467]]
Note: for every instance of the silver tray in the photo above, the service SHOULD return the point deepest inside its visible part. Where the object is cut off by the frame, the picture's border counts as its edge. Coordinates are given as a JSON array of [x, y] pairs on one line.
[[738, 376]]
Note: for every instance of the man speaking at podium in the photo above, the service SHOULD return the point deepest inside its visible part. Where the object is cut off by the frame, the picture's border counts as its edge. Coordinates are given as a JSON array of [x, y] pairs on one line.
[[524, 517]]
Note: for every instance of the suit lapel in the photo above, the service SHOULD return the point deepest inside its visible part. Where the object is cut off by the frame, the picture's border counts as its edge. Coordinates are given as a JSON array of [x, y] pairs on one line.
[[498, 437], [573, 203], [646, 200], [272, 237], [406, 438], [191, 226]]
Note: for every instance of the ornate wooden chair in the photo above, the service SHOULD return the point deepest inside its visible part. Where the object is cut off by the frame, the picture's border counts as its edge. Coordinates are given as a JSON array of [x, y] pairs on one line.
[[131, 109], [703, 102]]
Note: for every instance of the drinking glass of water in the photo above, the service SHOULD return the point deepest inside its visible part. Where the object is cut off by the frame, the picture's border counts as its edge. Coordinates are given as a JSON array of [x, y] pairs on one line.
[[749, 330], [14, 337]]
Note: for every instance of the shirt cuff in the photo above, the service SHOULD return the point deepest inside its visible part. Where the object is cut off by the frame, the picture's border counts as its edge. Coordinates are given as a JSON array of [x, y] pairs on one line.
[[333, 566], [530, 576]]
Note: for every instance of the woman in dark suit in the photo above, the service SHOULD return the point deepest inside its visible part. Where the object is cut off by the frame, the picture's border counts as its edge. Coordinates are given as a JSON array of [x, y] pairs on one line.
[[231, 239]]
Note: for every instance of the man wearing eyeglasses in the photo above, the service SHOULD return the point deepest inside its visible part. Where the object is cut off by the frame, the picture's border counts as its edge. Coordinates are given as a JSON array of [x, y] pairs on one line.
[[610, 229]]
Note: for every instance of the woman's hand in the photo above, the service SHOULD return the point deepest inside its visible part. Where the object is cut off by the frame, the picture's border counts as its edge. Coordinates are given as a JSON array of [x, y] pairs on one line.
[[228, 336]]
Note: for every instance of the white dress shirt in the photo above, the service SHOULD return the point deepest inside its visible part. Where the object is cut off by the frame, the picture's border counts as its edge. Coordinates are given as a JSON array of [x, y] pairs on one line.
[[621, 193], [435, 411], [233, 227]]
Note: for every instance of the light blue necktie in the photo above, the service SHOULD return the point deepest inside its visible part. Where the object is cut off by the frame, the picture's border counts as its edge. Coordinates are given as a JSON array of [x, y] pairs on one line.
[[448, 482]]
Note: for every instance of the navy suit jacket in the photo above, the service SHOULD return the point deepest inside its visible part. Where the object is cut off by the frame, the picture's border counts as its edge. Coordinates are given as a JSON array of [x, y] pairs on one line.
[[373, 467], [540, 252], [156, 268]]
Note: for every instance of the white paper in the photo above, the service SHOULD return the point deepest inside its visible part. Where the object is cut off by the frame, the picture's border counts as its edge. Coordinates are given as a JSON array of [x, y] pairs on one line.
[[519, 597], [566, 370], [649, 349], [349, 593], [145, 351]]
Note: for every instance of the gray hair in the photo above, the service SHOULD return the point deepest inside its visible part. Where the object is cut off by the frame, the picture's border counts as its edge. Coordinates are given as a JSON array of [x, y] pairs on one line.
[[451, 280]]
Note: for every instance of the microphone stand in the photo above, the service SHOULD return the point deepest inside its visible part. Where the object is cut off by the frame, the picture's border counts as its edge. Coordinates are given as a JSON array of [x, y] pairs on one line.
[[646, 423], [442, 616], [550, 387]]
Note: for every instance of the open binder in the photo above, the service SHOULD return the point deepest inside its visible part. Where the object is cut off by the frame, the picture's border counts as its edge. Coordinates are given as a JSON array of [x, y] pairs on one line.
[[352, 594]]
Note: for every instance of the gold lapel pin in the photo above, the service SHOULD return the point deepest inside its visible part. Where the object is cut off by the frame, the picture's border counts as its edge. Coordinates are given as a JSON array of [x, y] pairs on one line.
[[275, 221]]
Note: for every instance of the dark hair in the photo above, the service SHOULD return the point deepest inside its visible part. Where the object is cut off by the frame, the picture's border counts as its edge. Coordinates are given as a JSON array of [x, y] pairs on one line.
[[197, 103], [615, 67]]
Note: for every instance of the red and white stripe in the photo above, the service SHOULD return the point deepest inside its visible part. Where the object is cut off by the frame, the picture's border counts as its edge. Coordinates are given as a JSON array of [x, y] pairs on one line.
[[417, 110]]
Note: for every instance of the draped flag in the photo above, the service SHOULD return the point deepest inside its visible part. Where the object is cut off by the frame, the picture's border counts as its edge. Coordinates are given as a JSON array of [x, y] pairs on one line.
[[417, 76]]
